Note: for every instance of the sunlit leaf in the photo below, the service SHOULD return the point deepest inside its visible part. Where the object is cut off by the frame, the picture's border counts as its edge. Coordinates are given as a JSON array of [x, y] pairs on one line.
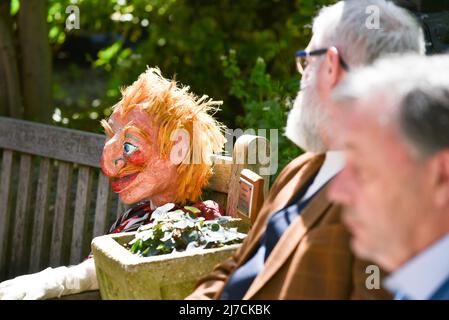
[[193, 209], [15, 6]]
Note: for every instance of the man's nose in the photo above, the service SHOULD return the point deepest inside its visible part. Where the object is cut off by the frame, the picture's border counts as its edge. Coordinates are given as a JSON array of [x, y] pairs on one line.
[[112, 158]]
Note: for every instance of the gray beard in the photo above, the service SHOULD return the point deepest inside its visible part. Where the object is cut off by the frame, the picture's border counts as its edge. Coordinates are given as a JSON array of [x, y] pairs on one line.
[[305, 120]]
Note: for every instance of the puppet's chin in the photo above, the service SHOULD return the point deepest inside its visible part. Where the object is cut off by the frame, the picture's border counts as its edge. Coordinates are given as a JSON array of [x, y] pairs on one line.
[[134, 193], [128, 198]]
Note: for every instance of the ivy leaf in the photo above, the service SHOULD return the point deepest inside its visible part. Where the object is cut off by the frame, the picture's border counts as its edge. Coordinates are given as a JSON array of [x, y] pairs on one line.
[[145, 227], [136, 247], [167, 236], [193, 246], [183, 224], [223, 219], [194, 210], [190, 237], [215, 227], [145, 235], [176, 215], [146, 251], [161, 212], [214, 236], [191, 215], [151, 252], [169, 244], [166, 226]]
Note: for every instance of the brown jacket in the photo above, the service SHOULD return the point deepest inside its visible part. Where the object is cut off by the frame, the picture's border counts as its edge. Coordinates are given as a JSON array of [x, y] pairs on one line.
[[312, 260]]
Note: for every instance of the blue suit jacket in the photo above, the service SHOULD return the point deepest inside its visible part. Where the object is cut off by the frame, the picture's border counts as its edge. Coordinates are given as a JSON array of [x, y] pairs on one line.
[[442, 293]]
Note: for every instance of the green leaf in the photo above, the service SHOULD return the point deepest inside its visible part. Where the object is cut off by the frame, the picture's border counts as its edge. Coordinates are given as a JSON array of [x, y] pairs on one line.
[[223, 219], [183, 224], [169, 245], [167, 236], [176, 215], [145, 235], [191, 215], [166, 207], [15, 6], [194, 210], [161, 212], [145, 227], [146, 251], [137, 246], [190, 237], [106, 55]]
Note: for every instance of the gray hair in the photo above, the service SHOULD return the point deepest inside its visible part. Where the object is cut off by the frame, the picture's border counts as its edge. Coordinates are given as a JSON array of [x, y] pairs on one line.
[[347, 26], [416, 91]]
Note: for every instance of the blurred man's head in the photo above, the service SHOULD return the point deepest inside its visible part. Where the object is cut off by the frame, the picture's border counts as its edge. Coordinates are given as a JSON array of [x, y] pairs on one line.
[[393, 122], [348, 30]]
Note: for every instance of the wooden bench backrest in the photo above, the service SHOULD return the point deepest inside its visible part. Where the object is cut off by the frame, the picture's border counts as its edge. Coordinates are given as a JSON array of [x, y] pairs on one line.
[[54, 199]]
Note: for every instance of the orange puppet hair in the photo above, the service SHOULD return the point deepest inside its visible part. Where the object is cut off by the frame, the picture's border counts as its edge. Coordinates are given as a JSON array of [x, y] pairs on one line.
[[175, 107]]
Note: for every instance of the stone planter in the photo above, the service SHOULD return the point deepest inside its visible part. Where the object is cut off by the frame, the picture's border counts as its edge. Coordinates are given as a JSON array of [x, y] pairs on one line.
[[123, 275]]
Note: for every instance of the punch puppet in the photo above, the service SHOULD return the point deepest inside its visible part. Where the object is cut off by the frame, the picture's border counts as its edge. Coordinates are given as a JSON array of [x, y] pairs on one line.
[[160, 138]]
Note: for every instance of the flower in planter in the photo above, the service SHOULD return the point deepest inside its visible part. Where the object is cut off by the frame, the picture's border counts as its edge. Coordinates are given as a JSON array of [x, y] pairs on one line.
[[174, 231]]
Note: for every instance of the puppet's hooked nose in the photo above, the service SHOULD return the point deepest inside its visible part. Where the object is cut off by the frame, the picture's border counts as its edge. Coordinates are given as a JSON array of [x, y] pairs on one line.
[[112, 158]]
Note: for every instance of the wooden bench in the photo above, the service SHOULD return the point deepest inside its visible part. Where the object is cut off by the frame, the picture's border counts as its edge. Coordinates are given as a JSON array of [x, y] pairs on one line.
[[54, 199]]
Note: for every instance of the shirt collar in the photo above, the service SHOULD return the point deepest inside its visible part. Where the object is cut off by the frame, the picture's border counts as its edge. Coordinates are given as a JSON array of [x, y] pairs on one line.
[[422, 275], [333, 163]]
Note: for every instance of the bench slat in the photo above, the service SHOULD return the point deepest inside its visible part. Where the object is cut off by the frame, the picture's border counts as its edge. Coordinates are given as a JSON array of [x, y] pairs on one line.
[[121, 208], [79, 235], [20, 251], [49, 141], [40, 241], [101, 223], [5, 208], [222, 174], [59, 240]]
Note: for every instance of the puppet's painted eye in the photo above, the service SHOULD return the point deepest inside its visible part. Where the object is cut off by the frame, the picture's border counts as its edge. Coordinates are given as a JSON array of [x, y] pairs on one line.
[[129, 148]]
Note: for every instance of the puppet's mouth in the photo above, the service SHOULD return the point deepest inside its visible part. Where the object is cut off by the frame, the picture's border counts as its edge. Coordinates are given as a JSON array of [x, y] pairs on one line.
[[118, 184]]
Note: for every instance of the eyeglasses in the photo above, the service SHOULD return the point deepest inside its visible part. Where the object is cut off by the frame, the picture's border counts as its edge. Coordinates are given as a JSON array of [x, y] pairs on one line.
[[301, 59]]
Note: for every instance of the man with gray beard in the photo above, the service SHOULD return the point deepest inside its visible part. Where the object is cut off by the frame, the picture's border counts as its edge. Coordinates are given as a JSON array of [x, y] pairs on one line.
[[298, 247]]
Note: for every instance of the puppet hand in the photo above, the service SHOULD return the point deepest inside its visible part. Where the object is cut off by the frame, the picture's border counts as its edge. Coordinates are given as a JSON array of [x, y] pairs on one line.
[[32, 286], [51, 283]]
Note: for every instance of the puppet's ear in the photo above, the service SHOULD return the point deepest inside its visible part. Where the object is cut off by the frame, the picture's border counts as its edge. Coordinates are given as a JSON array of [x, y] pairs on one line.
[[181, 145]]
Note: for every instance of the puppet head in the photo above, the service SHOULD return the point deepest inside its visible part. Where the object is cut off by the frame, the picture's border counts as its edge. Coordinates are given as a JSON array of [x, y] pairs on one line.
[[151, 136]]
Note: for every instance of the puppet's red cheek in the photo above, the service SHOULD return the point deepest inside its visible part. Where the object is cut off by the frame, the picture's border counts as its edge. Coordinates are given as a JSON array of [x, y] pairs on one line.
[[137, 158]]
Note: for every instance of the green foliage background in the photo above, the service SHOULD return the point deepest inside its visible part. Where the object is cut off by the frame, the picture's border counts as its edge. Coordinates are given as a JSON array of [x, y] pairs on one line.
[[241, 52]]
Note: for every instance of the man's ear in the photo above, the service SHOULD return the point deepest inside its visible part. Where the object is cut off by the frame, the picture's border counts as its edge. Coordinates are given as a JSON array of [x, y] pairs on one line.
[[441, 181], [333, 70]]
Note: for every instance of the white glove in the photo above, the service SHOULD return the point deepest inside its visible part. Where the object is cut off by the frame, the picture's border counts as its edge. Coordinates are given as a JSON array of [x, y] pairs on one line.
[[51, 283]]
